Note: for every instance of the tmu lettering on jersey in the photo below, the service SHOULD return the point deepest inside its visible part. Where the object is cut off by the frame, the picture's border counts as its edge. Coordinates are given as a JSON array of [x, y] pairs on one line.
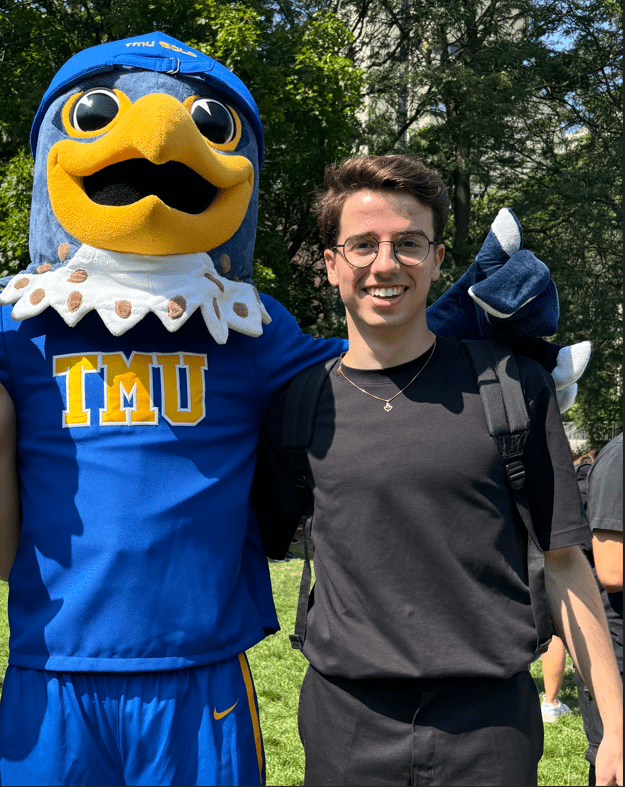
[[128, 388]]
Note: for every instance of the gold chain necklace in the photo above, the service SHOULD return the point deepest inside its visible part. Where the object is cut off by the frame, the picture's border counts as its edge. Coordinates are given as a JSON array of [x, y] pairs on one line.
[[388, 406]]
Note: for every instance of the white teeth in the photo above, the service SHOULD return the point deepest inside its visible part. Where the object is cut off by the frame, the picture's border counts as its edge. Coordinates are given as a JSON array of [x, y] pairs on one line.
[[385, 292]]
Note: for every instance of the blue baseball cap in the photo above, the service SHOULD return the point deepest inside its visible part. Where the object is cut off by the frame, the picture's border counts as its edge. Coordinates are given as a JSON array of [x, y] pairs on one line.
[[150, 52]]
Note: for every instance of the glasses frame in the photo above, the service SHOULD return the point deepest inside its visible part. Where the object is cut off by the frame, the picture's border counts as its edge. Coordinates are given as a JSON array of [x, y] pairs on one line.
[[392, 242]]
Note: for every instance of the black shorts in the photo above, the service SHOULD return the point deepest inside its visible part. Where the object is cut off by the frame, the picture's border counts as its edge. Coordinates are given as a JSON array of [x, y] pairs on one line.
[[479, 732]]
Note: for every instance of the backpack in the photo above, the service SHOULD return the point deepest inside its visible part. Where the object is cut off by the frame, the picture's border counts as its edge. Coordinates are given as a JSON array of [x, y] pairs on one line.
[[581, 472], [282, 496]]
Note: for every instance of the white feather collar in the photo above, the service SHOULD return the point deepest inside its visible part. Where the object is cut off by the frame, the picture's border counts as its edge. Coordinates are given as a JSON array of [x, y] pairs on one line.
[[123, 288]]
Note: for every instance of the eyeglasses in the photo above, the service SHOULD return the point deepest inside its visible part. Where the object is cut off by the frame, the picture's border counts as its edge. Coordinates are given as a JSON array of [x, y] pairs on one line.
[[409, 249]]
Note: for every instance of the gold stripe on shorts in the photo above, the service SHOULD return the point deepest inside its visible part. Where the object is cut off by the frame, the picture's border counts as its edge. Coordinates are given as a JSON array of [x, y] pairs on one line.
[[249, 688]]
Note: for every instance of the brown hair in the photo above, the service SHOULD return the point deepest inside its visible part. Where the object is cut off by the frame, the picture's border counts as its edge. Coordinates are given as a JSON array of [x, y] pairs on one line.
[[379, 173]]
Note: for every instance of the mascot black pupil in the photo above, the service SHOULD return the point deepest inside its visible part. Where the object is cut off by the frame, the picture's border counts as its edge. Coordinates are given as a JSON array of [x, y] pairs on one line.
[[213, 120], [95, 111]]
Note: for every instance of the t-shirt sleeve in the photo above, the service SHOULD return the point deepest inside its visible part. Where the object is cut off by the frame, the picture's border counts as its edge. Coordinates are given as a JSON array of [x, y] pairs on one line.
[[283, 350], [605, 488], [552, 488]]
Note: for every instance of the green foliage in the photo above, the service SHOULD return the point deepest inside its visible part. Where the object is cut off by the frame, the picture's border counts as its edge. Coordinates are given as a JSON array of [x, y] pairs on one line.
[[571, 204], [16, 180], [37, 38], [517, 103], [465, 79]]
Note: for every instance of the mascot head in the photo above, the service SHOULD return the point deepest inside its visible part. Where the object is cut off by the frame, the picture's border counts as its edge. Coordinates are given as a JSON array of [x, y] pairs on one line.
[[147, 154]]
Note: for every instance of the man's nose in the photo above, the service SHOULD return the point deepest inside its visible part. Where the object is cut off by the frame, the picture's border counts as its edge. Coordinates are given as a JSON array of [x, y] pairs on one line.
[[386, 259]]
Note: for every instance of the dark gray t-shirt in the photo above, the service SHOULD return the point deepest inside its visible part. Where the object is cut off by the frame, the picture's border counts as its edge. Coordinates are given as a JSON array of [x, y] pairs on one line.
[[420, 563], [605, 511]]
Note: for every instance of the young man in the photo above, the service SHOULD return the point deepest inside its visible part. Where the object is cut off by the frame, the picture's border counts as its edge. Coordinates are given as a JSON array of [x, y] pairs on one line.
[[419, 630]]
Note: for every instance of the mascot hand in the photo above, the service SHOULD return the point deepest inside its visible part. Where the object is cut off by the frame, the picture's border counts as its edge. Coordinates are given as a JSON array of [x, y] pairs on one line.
[[506, 292], [512, 288]]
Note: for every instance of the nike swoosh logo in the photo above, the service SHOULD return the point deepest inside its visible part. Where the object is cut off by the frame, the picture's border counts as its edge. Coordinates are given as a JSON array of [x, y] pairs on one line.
[[223, 713]]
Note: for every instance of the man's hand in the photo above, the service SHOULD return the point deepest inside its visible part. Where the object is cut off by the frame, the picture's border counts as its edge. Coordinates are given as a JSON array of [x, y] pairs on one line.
[[609, 762]]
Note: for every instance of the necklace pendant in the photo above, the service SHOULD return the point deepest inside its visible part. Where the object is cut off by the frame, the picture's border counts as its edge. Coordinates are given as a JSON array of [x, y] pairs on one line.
[[388, 407]]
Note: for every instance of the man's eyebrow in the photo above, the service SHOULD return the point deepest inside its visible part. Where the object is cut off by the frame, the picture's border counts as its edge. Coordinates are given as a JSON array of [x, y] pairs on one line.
[[402, 234], [363, 235], [412, 232]]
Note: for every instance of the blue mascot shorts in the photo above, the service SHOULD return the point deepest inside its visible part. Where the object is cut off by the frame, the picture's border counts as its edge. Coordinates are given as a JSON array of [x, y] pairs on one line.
[[193, 726]]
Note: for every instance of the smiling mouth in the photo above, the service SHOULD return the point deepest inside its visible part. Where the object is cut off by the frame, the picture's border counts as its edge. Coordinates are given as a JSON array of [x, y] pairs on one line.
[[127, 182], [388, 293]]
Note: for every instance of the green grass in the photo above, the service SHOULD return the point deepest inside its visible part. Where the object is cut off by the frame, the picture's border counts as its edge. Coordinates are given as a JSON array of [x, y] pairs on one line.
[[279, 670], [565, 743], [278, 673]]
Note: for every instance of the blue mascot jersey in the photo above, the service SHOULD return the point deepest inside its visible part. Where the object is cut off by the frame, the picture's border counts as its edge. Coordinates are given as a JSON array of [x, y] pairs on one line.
[[147, 557]]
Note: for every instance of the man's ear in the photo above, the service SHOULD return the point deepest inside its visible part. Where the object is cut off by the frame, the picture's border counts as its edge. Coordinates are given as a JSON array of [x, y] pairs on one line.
[[439, 256], [330, 260]]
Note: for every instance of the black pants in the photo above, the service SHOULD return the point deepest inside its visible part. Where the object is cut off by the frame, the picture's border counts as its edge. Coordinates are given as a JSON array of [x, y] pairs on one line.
[[420, 733]]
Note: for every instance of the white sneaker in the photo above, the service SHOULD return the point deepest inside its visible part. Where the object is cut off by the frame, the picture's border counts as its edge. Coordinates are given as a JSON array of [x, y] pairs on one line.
[[553, 712]]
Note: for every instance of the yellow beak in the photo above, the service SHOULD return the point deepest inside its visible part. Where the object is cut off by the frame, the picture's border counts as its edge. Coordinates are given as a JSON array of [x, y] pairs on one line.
[[156, 129]]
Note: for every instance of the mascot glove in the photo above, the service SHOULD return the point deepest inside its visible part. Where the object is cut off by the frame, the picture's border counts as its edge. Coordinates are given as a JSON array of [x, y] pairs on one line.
[[511, 286]]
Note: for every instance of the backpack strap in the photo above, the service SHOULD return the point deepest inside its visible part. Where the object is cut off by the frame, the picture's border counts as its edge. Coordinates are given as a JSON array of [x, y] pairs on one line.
[[509, 424], [280, 495], [298, 430]]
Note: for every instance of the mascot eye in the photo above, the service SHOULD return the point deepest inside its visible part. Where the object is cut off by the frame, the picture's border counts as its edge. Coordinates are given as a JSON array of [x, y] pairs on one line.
[[94, 110], [214, 120]]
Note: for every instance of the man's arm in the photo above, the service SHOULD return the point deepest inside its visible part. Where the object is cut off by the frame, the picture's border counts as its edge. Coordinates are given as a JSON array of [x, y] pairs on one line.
[[607, 549], [9, 495], [605, 512], [579, 620]]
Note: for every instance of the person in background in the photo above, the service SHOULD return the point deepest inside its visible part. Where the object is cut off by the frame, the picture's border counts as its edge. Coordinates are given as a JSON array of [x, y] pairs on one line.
[[582, 468], [605, 514], [554, 663]]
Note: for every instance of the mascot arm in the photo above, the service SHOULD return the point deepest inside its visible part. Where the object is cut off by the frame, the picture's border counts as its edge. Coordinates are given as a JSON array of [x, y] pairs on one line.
[[9, 512], [283, 351]]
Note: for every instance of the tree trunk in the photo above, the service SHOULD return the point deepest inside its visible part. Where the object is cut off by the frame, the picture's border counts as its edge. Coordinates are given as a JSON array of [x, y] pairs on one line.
[[461, 208]]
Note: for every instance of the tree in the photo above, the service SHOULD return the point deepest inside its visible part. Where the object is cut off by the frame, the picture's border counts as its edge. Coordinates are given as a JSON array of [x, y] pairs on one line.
[[36, 38], [16, 181], [464, 74], [573, 200], [517, 103]]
